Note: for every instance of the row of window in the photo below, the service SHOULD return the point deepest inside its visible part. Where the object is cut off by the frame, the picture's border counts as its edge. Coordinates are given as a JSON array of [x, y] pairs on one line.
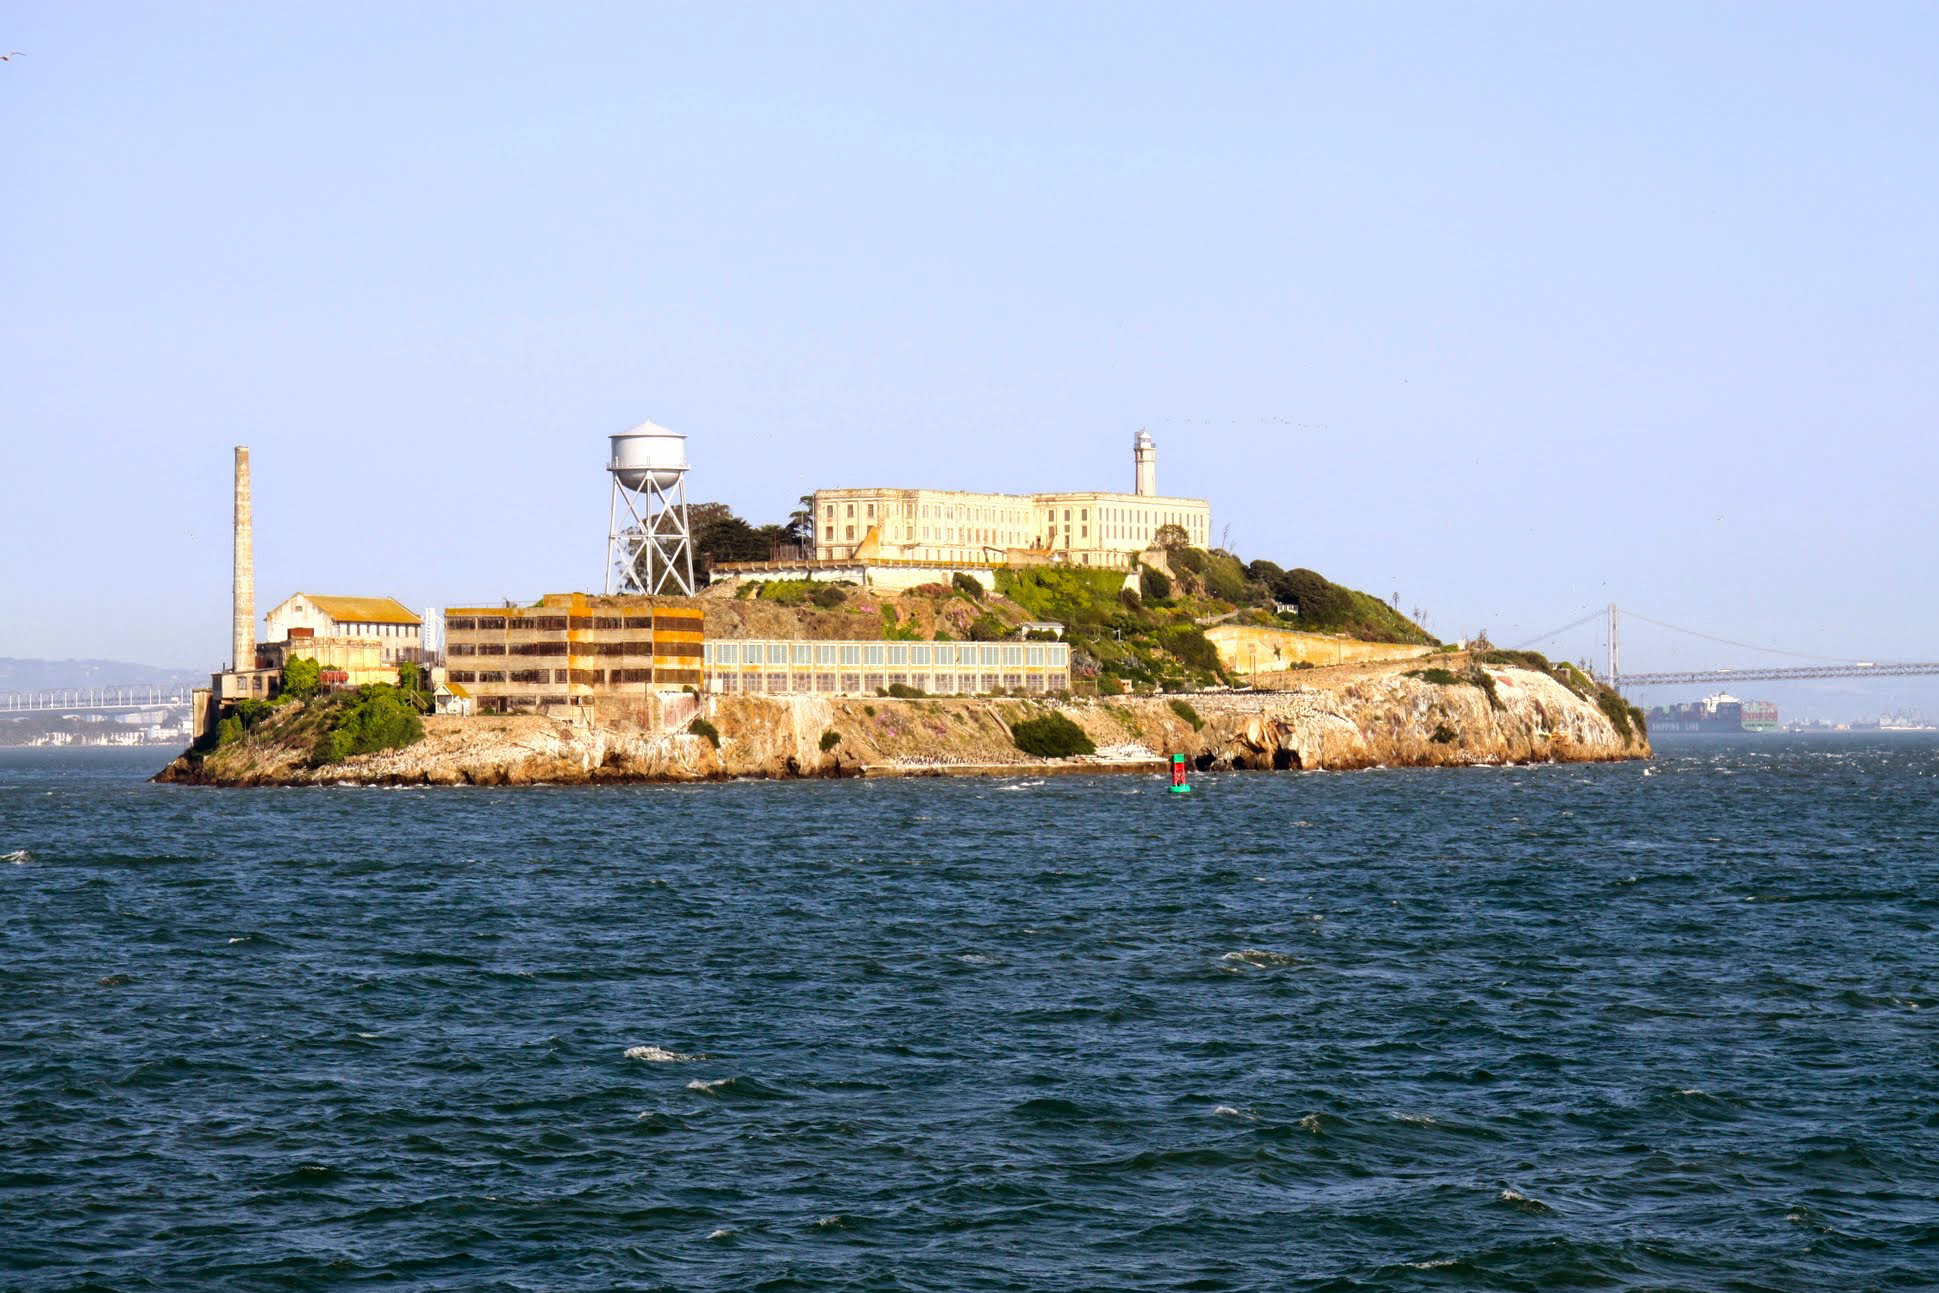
[[957, 654], [583, 677], [559, 623], [375, 630], [867, 684]]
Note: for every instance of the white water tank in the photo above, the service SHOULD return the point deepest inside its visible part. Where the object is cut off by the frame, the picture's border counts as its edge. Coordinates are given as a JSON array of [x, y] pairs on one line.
[[648, 454]]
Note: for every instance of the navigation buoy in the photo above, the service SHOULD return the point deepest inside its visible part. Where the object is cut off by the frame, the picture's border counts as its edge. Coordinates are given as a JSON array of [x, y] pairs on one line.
[[1179, 786]]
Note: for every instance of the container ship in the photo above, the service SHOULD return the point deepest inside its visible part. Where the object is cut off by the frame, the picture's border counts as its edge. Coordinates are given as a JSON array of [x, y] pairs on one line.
[[1719, 713]]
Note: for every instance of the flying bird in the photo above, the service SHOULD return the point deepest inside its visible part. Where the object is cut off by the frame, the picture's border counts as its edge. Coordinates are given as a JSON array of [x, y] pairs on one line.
[[11, 55]]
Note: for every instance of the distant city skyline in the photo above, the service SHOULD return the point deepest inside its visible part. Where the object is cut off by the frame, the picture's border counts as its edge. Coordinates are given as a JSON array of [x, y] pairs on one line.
[[1510, 311]]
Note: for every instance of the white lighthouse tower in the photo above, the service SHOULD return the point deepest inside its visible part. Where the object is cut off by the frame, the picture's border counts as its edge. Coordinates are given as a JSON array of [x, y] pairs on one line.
[[1145, 454]]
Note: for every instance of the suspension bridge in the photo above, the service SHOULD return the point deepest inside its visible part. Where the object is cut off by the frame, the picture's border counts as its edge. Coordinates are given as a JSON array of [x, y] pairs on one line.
[[72, 700], [1821, 666]]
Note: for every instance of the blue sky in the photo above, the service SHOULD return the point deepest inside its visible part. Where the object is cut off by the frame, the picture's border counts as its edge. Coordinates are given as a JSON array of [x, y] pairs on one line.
[[1510, 309]]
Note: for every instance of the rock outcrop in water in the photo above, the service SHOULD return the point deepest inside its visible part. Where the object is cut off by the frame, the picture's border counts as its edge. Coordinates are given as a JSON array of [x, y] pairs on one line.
[[1354, 717]]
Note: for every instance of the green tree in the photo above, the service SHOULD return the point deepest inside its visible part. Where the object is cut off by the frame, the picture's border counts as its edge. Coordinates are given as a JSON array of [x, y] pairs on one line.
[[1321, 602], [801, 522], [301, 677]]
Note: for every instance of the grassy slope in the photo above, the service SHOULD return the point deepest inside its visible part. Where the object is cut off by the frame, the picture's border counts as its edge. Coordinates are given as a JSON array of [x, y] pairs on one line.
[[1121, 641]]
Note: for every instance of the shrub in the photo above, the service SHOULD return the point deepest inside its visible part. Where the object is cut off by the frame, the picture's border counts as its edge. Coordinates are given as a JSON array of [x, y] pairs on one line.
[[379, 718], [250, 712], [1185, 711], [1483, 679], [1438, 676], [828, 596], [1189, 643], [988, 628], [1051, 736], [1516, 659], [1154, 583], [1443, 734], [966, 585], [1611, 702], [869, 710], [1225, 578], [931, 590], [830, 739], [701, 727], [228, 731], [903, 691], [301, 677]]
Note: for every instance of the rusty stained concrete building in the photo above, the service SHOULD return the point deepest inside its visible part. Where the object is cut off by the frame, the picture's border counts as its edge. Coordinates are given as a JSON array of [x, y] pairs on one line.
[[575, 655]]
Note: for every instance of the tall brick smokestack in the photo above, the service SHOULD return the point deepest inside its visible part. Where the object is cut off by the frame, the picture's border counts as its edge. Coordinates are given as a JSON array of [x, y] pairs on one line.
[[243, 627]]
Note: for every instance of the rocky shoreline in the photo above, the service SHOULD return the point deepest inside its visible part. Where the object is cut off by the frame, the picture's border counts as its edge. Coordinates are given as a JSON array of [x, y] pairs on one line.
[[1353, 717]]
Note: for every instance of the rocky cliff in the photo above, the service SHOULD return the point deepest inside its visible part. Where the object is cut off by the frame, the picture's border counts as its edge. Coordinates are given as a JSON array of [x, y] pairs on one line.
[[1357, 717]]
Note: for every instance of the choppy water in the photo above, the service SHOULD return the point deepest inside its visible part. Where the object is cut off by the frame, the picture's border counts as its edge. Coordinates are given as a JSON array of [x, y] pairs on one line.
[[1547, 1028]]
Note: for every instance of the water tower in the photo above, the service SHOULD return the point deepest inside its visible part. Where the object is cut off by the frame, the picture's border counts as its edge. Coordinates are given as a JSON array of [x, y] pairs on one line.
[[649, 548]]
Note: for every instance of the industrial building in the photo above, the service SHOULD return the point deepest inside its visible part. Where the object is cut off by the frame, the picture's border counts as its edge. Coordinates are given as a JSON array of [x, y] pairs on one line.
[[572, 651], [384, 622], [953, 528], [752, 666]]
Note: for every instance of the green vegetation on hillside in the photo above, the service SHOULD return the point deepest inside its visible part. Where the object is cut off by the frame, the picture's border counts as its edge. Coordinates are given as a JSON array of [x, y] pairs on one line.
[[1051, 736], [1150, 636], [1115, 636], [1327, 607], [374, 717]]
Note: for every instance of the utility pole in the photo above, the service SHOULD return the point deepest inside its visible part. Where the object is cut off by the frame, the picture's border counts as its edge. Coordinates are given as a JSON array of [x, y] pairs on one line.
[[1615, 639]]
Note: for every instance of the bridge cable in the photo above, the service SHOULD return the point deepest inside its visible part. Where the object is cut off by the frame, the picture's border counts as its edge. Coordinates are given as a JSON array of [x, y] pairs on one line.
[[1748, 646], [1596, 614]]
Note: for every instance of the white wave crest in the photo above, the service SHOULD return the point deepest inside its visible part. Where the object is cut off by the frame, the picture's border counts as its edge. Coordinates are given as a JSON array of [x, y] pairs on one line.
[[722, 1233], [18, 856], [708, 1088], [660, 1055]]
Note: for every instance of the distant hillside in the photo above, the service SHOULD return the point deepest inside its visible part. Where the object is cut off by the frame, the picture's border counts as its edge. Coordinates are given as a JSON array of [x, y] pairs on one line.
[[39, 675]]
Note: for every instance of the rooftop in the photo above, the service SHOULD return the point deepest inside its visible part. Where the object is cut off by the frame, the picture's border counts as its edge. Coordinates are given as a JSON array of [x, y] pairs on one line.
[[362, 610]]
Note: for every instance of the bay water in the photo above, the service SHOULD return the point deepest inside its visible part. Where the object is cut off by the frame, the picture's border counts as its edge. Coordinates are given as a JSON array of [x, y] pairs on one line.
[[1665, 1025]]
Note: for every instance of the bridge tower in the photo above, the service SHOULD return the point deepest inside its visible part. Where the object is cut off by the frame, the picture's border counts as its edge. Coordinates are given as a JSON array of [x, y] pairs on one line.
[[1615, 639]]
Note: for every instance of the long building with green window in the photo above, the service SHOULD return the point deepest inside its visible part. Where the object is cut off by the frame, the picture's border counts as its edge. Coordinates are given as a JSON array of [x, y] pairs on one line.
[[768, 667]]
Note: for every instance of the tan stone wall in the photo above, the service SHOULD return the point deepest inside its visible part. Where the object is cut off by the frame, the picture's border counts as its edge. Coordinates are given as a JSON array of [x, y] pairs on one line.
[[1248, 649]]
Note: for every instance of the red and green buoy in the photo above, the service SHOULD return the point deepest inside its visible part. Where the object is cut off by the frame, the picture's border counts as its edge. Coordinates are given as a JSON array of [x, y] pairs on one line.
[[1179, 786]]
